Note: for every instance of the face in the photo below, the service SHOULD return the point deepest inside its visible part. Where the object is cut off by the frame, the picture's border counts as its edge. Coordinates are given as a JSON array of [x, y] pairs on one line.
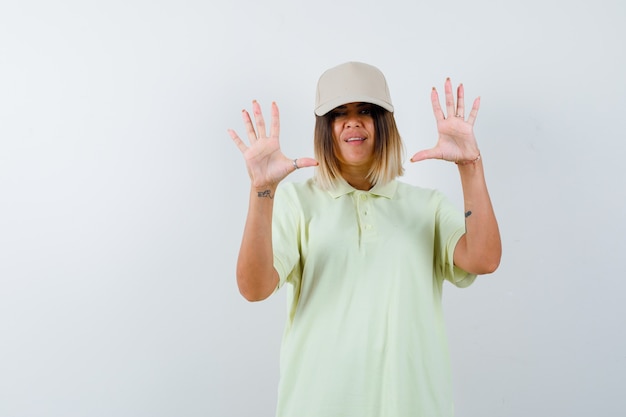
[[354, 135]]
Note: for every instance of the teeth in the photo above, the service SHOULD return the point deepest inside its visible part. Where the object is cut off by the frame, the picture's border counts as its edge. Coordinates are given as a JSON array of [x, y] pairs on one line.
[[353, 139]]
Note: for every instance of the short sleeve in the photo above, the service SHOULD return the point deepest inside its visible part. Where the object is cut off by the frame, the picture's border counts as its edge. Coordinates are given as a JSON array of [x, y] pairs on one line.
[[449, 228], [285, 232]]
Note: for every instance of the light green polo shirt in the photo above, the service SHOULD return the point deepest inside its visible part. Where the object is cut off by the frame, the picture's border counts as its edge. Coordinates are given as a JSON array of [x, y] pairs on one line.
[[365, 334]]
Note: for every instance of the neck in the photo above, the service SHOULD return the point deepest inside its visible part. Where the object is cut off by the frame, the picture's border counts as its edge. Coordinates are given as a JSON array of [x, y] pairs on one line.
[[357, 180]]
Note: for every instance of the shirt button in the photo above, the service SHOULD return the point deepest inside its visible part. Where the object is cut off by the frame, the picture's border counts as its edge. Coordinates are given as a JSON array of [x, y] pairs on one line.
[[363, 197]]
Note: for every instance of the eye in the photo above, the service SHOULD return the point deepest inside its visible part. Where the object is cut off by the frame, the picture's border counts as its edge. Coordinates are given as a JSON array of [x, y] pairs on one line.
[[366, 111]]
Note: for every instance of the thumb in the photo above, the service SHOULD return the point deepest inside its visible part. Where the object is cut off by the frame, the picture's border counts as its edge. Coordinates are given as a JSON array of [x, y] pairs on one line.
[[422, 155], [305, 162]]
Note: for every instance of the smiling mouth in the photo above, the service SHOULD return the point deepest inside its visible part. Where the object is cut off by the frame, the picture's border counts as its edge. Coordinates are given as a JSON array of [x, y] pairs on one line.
[[355, 139]]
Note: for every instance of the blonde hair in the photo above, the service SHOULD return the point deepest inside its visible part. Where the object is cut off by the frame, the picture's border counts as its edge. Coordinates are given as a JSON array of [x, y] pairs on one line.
[[388, 150]]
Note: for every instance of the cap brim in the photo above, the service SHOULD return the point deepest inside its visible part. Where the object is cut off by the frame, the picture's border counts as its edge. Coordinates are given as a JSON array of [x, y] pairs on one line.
[[340, 101]]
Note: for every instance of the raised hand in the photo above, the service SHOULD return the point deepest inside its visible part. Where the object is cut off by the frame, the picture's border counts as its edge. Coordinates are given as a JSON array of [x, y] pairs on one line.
[[266, 163], [456, 141]]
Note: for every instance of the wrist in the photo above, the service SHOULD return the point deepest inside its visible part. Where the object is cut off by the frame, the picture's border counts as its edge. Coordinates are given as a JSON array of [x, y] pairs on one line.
[[263, 191], [469, 161]]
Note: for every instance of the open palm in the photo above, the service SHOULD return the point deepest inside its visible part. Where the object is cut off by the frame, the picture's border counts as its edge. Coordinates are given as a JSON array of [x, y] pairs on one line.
[[266, 163], [456, 141]]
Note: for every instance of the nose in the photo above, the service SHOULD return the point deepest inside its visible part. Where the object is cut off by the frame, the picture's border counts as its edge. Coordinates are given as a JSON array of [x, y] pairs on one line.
[[353, 120]]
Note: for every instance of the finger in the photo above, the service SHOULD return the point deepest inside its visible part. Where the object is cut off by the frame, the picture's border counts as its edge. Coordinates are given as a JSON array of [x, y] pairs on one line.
[[247, 121], [449, 98], [432, 153], [258, 118], [242, 146], [434, 98], [275, 126], [474, 112], [460, 101]]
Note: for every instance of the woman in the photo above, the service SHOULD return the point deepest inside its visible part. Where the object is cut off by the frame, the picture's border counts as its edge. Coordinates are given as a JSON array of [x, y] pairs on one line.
[[365, 255]]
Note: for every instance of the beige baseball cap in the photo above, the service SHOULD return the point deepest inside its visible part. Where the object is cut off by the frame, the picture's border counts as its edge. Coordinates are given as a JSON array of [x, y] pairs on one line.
[[351, 82]]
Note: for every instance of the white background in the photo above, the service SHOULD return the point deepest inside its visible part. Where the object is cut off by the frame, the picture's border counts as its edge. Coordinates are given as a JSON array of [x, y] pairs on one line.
[[122, 198]]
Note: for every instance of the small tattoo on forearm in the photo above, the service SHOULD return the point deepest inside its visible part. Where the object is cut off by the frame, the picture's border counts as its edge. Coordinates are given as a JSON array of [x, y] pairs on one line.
[[265, 193], [468, 213]]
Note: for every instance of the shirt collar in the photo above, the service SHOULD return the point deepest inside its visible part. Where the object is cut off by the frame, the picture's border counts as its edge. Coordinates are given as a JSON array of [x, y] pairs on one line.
[[341, 187]]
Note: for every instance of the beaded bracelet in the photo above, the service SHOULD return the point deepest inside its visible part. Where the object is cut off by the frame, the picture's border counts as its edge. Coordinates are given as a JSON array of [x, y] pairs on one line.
[[469, 162]]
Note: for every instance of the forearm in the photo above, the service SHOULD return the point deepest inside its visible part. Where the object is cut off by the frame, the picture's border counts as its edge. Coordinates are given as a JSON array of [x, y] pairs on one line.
[[256, 276], [480, 249]]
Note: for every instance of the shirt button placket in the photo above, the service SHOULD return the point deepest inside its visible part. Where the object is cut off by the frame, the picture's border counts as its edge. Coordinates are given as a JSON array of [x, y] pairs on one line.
[[364, 209]]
